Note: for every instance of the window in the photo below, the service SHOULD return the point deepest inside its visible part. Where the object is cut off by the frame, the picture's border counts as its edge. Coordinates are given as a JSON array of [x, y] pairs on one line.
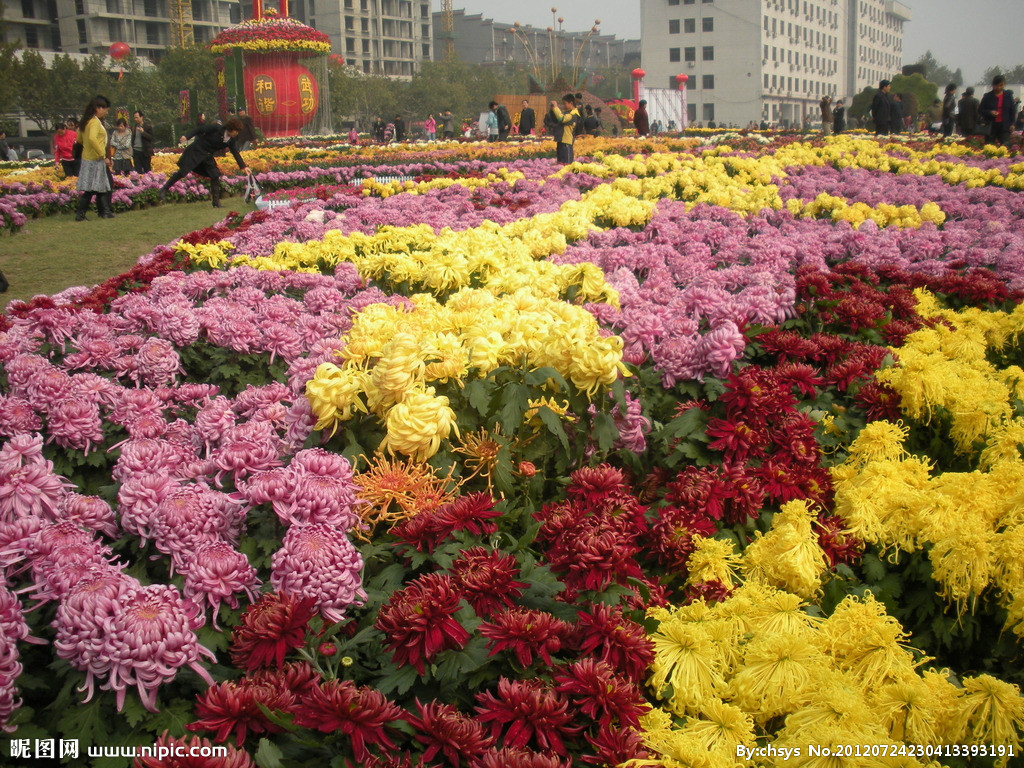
[[31, 37], [113, 29], [425, 30], [708, 82], [709, 112], [426, 51], [366, 46], [673, 54], [82, 37], [29, 12], [350, 45], [691, 113], [673, 26], [766, 81], [708, 53], [708, 24], [673, 2], [688, 2], [152, 33], [364, 25], [690, 54], [690, 25], [80, 7]]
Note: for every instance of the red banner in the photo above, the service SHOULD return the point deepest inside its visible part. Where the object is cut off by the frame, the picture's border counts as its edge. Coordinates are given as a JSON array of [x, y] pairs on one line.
[[184, 107]]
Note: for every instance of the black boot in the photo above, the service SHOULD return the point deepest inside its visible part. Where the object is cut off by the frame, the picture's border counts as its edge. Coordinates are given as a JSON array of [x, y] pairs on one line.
[[105, 205], [215, 192], [83, 205]]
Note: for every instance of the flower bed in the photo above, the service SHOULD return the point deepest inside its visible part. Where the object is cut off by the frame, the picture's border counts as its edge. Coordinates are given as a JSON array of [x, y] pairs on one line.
[[520, 465]]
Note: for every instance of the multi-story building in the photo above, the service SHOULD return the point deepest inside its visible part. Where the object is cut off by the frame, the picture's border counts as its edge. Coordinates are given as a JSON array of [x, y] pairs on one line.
[[479, 40], [770, 60], [91, 26], [380, 37]]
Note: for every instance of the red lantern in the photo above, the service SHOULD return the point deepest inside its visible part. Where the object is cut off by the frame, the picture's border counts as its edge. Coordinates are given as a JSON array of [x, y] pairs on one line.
[[118, 51], [282, 95], [682, 78], [638, 74]]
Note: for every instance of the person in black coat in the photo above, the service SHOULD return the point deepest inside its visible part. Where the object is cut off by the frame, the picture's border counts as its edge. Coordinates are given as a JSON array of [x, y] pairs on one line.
[[839, 117], [142, 143], [967, 112], [504, 121], [399, 128], [998, 109], [527, 119], [896, 121], [881, 109], [199, 157]]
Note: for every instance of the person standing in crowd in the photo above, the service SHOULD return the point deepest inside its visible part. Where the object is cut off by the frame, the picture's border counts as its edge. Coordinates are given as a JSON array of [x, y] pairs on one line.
[[247, 137], [94, 171], [378, 129], [896, 116], [430, 127], [5, 151], [121, 144], [826, 115], [142, 143], [600, 122], [199, 156], [566, 119], [640, 120], [527, 119], [590, 124], [967, 112], [491, 122], [353, 136], [998, 109], [447, 124], [881, 109], [839, 117], [949, 110], [63, 149], [501, 116], [399, 128]]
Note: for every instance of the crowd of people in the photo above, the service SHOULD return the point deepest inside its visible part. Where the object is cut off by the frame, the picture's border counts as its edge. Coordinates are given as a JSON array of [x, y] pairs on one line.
[[994, 116]]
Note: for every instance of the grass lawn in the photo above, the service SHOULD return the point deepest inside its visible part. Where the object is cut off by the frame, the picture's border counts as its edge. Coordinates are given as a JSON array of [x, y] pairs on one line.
[[56, 252]]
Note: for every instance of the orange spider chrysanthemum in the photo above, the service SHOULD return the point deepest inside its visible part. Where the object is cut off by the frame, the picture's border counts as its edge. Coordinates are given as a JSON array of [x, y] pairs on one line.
[[481, 451], [396, 490]]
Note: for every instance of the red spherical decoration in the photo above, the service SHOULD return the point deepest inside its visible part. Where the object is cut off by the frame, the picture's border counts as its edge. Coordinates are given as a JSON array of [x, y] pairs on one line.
[[118, 51], [682, 78], [638, 74], [282, 95]]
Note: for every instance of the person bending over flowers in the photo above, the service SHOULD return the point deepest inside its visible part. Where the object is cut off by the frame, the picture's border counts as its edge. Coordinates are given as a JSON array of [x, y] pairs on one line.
[[199, 157]]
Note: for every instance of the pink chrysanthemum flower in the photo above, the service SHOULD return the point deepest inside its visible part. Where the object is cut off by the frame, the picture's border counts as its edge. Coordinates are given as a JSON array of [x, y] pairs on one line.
[[31, 490], [319, 499], [12, 629], [190, 517], [18, 416], [83, 618], [74, 423], [319, 562], [149, 639], [138, 499], [21, 449], [217, 573], [156, 363]]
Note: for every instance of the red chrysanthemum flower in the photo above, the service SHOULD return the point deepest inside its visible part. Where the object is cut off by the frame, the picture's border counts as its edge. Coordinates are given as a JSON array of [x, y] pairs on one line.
[[418, 621], [512, 757], [672, 532], [526, 633], [879, 402], [234, 708], [525, 712], [616, 746], [708, 591], [441, 728], [487, 579], [184, 753], [735, 438], [426, 531], [270, 629], [606, 634], [601, 694], [362, 714], [838, 544], [297, 677]]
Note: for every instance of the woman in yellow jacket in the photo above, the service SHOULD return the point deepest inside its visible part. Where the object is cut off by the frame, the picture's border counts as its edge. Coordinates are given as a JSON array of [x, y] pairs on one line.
[[565, 131], [94, 175]]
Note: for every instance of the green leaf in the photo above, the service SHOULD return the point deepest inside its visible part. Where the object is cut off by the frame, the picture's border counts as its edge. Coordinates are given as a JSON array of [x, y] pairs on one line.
[[687, 423], [133, 712], [538, 377], [516, 399], [268, 755], [478, 393], [605, 432], [554, 424], [874, 569], [399, 681]]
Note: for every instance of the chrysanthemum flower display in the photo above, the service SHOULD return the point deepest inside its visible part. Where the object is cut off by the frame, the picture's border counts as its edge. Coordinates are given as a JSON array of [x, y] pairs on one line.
[[653, 459]]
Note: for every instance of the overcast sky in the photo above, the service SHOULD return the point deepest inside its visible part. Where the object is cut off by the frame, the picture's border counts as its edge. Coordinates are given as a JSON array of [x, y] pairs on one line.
[[971, 34]]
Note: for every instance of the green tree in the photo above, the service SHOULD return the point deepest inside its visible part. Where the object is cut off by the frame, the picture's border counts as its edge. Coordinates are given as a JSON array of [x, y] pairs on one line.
[[47, 96], [1012, 74], [360, 97], [939, 73]]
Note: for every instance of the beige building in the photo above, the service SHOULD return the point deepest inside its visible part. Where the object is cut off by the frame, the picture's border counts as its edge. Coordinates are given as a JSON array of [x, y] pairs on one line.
[[769, 60]]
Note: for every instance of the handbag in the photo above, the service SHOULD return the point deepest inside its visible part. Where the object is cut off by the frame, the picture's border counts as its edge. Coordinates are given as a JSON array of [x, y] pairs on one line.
[[982, 129], [253, 192]]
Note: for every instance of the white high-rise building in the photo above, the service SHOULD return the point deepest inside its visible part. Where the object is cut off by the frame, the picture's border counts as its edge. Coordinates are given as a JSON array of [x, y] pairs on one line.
[[769, 60]]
